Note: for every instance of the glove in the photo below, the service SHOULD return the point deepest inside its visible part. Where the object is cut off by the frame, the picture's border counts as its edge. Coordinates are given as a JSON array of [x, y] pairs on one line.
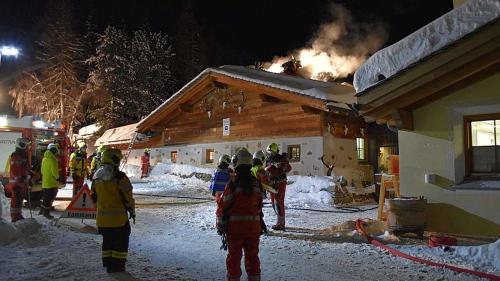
[[131, 214], [221, 228], [73, 175]]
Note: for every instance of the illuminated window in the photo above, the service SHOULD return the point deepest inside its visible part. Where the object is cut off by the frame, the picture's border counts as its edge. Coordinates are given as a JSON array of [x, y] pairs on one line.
[[483, 144], [294, 152], [173, 156], [209, 156], [361, 149]]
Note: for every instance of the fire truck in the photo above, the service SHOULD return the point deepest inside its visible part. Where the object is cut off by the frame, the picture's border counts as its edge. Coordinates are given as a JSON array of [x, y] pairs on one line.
[[41, 134]]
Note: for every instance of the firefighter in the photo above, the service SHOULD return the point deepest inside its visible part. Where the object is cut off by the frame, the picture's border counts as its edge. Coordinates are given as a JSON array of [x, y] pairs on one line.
[[50, 179], [112, 194], [78, 166], [221, 176], [145, 163], [258, 171], [96, 160], [277, 166], [239, 219], [19, 177]]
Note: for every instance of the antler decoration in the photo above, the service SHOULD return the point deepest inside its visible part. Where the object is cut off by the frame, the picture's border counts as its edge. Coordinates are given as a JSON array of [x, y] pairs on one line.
[[207, 106], [327, 165], [240, 104], [224, 97]]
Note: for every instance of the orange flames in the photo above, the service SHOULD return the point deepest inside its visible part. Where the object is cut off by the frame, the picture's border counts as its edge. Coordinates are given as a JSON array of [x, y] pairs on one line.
[[337, 49]]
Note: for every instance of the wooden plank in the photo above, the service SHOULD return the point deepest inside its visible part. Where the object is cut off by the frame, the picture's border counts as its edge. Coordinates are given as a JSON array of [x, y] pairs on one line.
[[404, 119]]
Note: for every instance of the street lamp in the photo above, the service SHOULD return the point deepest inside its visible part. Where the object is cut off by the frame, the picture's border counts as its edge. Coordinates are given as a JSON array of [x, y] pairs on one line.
[[8, 51]]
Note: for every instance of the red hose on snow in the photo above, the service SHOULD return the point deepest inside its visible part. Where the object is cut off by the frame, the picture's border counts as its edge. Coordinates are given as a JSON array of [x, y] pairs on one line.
[[359, 228]]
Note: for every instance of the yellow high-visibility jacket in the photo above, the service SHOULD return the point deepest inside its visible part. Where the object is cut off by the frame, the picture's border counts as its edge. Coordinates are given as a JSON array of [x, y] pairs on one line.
[[50, 170], [112, 193], [78, 164]]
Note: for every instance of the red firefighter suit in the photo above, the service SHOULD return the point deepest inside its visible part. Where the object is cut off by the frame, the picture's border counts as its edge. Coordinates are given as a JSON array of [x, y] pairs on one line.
[[18, 182], [145, 165], [239, 211], [278, 167]]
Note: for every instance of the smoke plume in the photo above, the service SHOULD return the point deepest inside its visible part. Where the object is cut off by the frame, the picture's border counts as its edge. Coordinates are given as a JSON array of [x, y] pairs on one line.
[[337, 49]]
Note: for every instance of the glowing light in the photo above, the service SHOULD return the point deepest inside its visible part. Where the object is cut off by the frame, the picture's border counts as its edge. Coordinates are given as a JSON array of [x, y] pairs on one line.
[[3, 121], [9, 51], [38, 124]]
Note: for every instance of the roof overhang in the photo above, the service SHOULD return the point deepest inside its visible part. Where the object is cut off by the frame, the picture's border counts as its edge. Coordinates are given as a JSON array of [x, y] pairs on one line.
[[456, 66], [210, 78]]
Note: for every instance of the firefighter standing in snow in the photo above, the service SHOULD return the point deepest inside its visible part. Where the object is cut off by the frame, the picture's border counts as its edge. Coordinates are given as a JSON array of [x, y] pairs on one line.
[[50, 178], [112, 193], [260, 173], [221, 176], [239, 217], [18, 170], [277, 165], [96, 160], [145, 163], [78, 167]]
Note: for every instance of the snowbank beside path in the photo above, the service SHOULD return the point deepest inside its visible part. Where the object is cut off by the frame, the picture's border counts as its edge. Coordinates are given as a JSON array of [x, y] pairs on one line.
[[47, 251], [307, 192], [485, 258]]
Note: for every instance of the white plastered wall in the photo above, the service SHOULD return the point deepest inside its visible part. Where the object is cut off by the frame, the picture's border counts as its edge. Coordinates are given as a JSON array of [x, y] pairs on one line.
[[437, 147]]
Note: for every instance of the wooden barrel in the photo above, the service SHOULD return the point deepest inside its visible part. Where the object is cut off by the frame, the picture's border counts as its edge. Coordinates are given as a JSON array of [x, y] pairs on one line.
[[406, 214]]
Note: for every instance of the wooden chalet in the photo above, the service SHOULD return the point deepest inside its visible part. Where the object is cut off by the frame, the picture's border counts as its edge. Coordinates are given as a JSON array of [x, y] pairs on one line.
[[229, 107]]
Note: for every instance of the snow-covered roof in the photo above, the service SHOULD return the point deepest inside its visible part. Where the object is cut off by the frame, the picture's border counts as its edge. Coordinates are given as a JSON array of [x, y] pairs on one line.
[[88, 131], [119, 135], [325, 91], [431, 38]]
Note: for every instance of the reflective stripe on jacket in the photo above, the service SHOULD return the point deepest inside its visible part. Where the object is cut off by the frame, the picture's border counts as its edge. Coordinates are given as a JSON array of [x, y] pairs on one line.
[[77, 164], [220, 179], [112, 192], [18, 168], [50, 170], [241, 208]]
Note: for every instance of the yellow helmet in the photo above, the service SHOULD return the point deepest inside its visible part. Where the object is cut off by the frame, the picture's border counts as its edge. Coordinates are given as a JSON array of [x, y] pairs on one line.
[[81, 145], [101, 148], [273, 148], [112, 156]]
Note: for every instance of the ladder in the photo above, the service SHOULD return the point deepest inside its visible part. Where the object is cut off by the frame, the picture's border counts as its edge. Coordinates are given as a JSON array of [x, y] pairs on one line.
[[129, 149], [387, 182]]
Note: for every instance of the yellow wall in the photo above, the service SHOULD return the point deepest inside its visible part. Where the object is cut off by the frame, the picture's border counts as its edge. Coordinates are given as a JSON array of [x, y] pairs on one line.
[[346, 162], [436, 147]]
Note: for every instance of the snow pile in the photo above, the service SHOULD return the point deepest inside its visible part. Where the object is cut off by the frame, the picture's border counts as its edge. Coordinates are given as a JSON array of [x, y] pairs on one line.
[[484, 258], [132, 171], [483, 255], [11, 232], [4, 204], [307, 191], [178, 169], [430, 38]]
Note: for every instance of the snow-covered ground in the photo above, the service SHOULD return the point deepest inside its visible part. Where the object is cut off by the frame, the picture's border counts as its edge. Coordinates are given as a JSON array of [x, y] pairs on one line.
[[175, 239]]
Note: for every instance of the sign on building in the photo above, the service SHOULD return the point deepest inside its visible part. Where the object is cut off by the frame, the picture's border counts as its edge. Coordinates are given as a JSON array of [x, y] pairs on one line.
[[226, 126]]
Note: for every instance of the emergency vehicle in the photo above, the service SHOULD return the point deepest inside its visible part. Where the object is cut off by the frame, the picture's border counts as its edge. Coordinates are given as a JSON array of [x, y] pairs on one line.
[[40, 134]]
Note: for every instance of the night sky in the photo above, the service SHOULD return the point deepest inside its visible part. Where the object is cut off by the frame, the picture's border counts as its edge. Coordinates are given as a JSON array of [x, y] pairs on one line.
[[241, 32]]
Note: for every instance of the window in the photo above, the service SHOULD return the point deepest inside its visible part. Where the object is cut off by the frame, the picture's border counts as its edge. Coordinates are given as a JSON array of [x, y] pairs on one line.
[[294, 152], [173, 156], [209, 156], [361, 149], [483, 144]]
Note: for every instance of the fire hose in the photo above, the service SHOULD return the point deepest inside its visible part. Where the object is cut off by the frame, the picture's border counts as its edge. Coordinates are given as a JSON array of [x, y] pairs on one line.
[[371, 240]]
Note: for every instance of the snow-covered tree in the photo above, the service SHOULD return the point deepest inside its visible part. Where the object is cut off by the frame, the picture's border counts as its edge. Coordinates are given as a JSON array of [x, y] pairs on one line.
[[57, 84], [135, 72]]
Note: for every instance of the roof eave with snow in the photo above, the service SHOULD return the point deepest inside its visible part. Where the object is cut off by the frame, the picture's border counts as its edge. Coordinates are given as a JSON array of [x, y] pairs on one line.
[[341, 96]]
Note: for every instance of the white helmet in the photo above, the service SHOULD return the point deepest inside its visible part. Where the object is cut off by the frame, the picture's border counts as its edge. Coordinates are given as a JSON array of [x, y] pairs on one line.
[[224, 158], [242, 157], [22, 143], [259, 154], [53, 148]]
